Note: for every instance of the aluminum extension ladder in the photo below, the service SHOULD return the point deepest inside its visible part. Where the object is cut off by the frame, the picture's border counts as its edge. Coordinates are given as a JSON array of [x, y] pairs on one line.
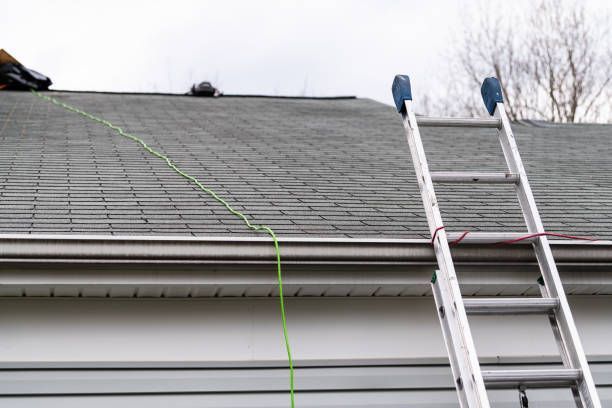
[[470, 380]]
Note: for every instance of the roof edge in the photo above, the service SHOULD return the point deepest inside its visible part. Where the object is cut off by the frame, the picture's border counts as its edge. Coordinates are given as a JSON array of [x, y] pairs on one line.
[[232, 250]]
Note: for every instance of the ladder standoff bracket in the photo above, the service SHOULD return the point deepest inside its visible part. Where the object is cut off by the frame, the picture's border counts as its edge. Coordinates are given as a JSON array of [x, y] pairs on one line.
[[491, 94], [401, 91]]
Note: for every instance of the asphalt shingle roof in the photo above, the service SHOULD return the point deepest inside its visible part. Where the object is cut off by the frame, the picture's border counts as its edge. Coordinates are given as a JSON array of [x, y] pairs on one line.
[[305, 167]]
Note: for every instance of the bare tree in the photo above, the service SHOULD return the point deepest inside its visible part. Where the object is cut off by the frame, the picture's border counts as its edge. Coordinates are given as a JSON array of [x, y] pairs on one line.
[[490, 46], [553, 64], [570, 62]]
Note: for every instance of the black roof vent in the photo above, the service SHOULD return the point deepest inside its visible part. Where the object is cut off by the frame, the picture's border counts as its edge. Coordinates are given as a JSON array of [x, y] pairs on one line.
[[204, 89]]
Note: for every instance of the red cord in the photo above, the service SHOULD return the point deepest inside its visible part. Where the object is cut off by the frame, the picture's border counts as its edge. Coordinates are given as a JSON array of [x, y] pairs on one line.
[[458, 240], [433, 238], [512, 241], [550, 234]]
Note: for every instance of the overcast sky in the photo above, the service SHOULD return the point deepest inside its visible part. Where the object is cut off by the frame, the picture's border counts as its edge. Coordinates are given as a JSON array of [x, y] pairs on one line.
[[313, 48]]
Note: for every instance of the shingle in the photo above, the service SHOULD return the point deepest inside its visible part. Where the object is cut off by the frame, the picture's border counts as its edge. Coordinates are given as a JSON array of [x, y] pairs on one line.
[[304, 167]]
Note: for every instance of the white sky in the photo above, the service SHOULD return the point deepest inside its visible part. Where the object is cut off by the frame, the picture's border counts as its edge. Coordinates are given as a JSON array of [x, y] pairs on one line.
[[313, 48]]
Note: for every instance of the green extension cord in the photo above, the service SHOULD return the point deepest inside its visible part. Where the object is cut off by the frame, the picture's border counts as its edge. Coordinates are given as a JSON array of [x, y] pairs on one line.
[[254, 227]]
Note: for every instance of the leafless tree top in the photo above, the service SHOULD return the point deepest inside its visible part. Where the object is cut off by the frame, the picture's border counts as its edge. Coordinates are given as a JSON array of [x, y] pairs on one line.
[[553, 62]]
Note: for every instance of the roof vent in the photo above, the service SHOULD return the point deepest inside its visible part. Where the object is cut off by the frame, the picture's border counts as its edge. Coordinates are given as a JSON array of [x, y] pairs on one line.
[[204, 89]]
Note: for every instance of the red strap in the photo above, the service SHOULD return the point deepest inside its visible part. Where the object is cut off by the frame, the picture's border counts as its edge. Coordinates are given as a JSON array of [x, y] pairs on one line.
[[512, 241], [458, 240], [550, 234], [433, 238]]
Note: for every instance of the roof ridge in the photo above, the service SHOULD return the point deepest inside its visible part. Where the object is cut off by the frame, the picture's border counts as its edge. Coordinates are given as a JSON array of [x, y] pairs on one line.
[[220, 96]]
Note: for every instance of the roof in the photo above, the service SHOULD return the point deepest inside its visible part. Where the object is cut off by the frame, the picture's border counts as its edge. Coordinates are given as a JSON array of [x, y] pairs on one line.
[[305, 167]]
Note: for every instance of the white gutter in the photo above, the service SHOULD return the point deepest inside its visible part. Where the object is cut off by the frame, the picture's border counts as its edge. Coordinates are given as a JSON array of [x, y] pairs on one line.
[[257, 249]]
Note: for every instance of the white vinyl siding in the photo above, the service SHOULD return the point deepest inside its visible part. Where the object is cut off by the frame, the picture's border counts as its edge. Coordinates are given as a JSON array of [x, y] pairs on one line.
[[220, 352]]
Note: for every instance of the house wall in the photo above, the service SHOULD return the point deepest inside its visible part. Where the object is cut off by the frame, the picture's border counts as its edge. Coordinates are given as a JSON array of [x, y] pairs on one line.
[[219, 351], [248, 330]]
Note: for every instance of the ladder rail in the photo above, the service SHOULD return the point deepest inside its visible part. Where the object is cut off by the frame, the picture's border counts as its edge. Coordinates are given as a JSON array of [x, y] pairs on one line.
[[464, 360], [552, 319], [552, 280], [449, 333]]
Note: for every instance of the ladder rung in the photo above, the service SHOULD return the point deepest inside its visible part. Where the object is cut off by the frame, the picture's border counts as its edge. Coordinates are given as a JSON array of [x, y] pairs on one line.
[[458, 122], [510, 305], [532, 378], [473, 177], [489, 237]]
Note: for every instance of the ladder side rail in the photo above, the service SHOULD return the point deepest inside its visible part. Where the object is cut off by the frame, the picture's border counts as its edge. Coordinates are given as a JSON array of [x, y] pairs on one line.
[[515, 164], [449, 333], [552, 280], [561, 345], [471, 382]]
